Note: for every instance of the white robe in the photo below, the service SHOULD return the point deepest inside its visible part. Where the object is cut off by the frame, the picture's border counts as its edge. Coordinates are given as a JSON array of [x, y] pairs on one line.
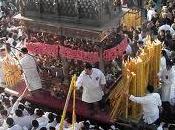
[[150, 14], [162, 64], [168, 77], [31, 76], [15, 127]]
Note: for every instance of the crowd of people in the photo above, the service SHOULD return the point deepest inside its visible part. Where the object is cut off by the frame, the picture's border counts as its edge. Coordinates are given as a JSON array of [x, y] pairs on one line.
[[17, 114], [159, 25]]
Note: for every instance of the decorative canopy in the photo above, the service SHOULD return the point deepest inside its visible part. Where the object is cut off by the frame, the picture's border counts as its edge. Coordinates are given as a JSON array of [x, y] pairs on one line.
[[93, 12]]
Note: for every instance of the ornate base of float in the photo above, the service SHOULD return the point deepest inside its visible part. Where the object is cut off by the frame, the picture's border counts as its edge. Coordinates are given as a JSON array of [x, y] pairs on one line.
[[44, 98]]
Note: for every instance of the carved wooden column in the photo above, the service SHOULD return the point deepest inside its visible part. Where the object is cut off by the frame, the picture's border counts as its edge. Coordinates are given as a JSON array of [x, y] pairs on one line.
[[65, 70]]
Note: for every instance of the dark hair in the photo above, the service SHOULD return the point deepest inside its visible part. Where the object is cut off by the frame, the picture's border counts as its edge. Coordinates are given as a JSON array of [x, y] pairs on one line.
[[10, 121], [50, 117], [140, 42], [14, 98], [35, 123], [7, 102], [24, 50], [43, 128], [4, 113], [86, 125], [18, 113], [1, 107], [88, 66], [21, 107], [150, 88], [52, 128], [68, 119], [164, 53], [58, 118], [171, 127], [30, 110], [39, 113], [10, 35]]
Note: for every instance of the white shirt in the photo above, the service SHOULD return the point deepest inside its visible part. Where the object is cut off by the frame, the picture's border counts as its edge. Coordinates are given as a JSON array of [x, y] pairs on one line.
[[4, 125], [150, 104], [52, 124], [78, 126], [31, 76], [43, 121], [22, 121], [20, 32], [92, 91], [15, 127], [151, 13]]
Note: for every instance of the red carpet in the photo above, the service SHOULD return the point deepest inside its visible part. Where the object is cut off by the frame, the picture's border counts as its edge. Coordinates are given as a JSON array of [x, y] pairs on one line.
[[44, 98]]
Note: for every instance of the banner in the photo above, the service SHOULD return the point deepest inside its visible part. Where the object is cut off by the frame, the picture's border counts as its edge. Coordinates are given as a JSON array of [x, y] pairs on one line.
[[111, 54], [43, 49], [91, 57]]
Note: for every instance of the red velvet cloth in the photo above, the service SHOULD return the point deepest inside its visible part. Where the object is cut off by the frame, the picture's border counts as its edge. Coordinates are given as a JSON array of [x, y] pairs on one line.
[[45, 99]]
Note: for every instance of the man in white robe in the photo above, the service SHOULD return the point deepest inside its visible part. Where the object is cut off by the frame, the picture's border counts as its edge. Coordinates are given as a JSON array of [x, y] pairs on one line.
[[151, 13], [93, 81], [167, 77], [12, 125], [162, 62], [29, 68]]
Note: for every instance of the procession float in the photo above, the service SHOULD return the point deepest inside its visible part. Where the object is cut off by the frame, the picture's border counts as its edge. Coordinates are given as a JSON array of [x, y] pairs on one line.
[[63, 35]]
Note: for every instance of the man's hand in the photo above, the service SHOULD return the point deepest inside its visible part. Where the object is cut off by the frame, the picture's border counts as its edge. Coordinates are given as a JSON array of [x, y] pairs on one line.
[[126, 94]]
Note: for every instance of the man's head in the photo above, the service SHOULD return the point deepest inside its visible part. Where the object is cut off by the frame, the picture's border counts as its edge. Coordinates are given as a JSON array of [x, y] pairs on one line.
[[30, 110], [19, 113], [43, 128], [39, 113], [24, 50], [21, 107], [88, 69], [35, 123], [51, 117], [150, 88], [4, 113], [10, 122], [52, 128]]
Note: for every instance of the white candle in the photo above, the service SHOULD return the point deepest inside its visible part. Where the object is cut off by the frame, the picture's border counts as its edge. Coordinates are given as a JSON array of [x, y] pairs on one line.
[[56, 74]]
